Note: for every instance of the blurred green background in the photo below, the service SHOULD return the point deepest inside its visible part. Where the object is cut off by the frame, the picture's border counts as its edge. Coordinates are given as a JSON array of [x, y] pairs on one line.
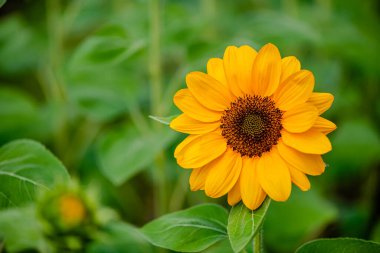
[[82, 77]]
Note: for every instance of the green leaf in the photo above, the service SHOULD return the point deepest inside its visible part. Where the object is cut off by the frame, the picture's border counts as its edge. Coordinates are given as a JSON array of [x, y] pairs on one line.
[[364, 142], [16, 108], [2, 2], [300, 218], [109, 46], [244, 224], [339, 245], [120, 237], [190, 230], [25, 168], [26, 48], [222, 246], [163, 120], [21, 230], [125, 151]]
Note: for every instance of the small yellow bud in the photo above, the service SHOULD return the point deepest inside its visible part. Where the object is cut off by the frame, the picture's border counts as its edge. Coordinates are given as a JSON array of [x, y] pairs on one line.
[[71, 209]]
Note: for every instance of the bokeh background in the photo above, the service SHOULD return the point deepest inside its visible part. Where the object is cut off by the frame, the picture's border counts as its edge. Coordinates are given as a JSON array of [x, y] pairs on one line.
[[83, 76]]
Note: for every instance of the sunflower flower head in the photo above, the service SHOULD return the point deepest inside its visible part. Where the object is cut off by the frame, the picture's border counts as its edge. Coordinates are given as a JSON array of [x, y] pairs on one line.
[[254, 126]]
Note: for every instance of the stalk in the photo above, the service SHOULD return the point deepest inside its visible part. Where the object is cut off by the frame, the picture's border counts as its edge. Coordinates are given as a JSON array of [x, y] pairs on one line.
[[56, 90], [155, 93]]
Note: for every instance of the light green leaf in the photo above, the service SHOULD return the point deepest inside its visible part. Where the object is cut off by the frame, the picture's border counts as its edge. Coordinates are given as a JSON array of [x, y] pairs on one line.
[[25, 168], [191, 230], [244, 224], [125, 151], [120, 237], [339, 245], [163, 120], [300, 218], [21, 230]]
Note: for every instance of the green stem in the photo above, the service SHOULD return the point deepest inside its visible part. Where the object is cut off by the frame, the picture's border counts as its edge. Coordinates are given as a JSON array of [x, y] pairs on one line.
[[257, 242], [155, 56], [55, 35], [155, 92], [56, 88]]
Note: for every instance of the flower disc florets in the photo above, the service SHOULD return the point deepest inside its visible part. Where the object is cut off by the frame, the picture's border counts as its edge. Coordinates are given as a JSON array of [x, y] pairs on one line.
[[251, 125]]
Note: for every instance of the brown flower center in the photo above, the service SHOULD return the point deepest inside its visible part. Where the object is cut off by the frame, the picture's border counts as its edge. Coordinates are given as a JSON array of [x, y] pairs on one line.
[[251, 125]]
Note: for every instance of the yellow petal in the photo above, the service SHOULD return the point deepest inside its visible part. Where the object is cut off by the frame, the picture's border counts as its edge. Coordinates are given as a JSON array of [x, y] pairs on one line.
[[184, 143], [310, 142], [266, 71], [274, 175], [300, 118], [322, 101], [223, 175], [299, 179], [323, 125], [251, 192], [186, 102], [215, 69], [185, 124], [234, 195], [201, 150], [289, 66], [198, 178], [296, 89], [208, 91], [238, 67], [306, 163]]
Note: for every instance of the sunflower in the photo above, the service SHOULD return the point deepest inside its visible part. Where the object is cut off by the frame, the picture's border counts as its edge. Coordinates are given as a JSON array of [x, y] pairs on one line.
[[254, 126]]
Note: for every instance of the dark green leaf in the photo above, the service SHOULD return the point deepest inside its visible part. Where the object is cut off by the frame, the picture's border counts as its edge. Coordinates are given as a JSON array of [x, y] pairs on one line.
[[244, 224], [124, 152], [2, 2], [191, 230], [21, 230], [339, 245], [25, 168]]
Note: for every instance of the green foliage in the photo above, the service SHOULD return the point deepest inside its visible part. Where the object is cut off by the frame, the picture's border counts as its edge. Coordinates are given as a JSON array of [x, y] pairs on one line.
[[22, 50], [27, 167], [302, 216], [21, 230], [190, 230], [78, 77], [138, 149], [16, 108], [376, 233], [108, 47], [364, 143], [244, 224], [338, 245], [120, 237]]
